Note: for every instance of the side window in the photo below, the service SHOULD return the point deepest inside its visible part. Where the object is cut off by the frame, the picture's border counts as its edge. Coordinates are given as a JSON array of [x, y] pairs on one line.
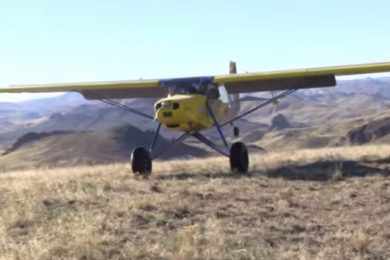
[[223, 94]]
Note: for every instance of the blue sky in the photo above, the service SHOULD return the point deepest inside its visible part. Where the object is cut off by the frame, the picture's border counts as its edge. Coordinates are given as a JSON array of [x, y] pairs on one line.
[[58, 41]]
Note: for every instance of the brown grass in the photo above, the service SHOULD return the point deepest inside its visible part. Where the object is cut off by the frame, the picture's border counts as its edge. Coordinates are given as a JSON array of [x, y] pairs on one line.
[[199, 210]]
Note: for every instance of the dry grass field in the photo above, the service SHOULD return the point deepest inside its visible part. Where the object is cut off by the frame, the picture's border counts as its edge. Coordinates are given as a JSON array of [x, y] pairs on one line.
[[312, 204]]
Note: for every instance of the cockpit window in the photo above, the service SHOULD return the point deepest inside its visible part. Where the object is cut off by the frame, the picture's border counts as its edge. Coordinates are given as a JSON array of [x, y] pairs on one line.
[[191, 85], [193, 89]]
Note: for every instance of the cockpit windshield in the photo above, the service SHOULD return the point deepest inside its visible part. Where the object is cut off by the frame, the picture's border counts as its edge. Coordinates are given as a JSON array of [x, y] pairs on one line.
[[192, 89], [196, 85]]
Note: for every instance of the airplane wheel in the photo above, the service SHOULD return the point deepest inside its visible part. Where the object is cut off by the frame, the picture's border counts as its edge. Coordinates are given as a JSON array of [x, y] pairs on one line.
[[239, 160], [141, 161]]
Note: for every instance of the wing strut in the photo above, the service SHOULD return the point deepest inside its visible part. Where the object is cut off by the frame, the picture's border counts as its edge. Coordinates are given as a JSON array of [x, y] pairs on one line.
[[269, 101], [210, 144], [217, 125], [155, 138], [126, 108]]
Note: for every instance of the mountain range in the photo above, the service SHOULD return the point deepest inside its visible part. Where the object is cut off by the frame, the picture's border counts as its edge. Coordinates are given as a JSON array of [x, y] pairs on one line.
[[69, 130]]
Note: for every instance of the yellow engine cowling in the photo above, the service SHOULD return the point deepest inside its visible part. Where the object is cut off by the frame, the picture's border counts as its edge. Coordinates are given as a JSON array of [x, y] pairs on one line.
[[183, 112]]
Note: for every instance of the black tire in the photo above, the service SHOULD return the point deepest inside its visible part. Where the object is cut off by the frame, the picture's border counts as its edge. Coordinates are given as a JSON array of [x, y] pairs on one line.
[[239, 159], [141, 161]]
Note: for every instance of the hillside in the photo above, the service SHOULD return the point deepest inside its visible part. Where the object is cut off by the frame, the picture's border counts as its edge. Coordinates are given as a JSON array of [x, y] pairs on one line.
[[355, 112], [88, 116], [310, 205], [60, 149]]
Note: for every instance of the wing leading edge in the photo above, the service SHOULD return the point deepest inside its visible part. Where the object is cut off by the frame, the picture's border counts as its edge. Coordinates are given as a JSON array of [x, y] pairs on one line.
[[235, 83], [95, 90], [295, 79]]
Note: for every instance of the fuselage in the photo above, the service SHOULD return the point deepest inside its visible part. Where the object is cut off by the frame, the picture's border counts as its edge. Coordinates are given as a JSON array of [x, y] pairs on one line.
[[188, 112]]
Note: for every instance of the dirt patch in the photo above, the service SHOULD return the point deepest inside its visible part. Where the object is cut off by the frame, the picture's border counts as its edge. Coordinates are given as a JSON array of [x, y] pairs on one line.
[[328, 170]]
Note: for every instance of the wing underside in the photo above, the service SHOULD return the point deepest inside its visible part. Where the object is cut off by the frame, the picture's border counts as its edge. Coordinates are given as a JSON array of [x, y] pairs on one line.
[[295, 79], [281, 84], [96, 90], [235, 83], [125, 93]]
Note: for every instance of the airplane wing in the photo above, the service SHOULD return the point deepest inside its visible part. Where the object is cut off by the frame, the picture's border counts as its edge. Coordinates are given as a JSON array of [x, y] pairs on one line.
[[294, 79], [234, 83], [96, 90]]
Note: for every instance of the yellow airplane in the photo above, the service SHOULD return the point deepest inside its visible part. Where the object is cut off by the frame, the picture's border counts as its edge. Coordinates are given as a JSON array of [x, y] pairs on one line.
[[191, 105]]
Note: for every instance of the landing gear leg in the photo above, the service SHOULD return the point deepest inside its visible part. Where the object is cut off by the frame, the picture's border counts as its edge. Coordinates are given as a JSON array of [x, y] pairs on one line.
[[238, 153], [141, 158]]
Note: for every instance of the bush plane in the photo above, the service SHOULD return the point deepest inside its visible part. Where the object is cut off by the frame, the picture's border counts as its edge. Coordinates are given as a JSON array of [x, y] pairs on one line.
[[193, 104]]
